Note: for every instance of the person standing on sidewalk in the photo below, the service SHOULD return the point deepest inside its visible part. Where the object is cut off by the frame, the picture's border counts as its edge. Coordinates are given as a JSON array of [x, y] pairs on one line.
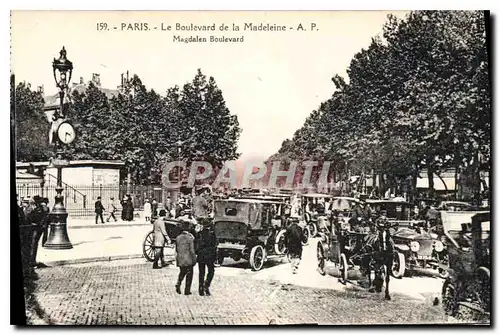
[[99, 209], [186, 258], [147, 210], [46, 209], [111, 209], [160, 237], [293, 242], [206, 249]]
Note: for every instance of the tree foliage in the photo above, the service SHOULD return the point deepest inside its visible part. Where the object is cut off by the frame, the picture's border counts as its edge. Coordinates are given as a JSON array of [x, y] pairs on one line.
[[417, 97], [138, 126]]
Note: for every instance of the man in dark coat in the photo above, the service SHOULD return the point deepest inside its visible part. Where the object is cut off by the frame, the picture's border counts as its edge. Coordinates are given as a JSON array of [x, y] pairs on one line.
[[99, 209], [293, 242], [160, 237], [186, 258], [206, 249], [46, 209]]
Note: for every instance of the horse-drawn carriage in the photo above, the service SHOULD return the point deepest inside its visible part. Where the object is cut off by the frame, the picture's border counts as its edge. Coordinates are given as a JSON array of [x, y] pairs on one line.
[[173, 228], [313, 206], [249, 229], [467, 290], [367, 248]]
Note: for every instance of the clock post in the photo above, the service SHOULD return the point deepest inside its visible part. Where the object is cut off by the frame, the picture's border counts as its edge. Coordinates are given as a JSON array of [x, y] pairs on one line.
[[58, 237]]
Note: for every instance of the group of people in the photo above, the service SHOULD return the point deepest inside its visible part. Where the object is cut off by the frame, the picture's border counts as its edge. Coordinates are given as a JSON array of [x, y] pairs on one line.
[[33, 212], [191, 248], [127, 209]]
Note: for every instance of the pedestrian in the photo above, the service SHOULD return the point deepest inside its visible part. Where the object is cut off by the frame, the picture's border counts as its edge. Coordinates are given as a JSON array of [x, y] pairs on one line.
[[147, 210], [168, 206], [38, 220], [154, 208], [160, 237], [123, 202], [111, 209], [46, 209], [293, 242], [200, 206], [206, 250], [186, 258], [99, 209]]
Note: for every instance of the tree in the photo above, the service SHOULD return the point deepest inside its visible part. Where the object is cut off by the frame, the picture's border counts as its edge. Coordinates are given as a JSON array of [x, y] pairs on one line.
[[31, 126]]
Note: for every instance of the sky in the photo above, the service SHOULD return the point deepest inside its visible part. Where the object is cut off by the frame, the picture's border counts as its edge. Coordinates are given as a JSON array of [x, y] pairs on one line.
[[272, 81]]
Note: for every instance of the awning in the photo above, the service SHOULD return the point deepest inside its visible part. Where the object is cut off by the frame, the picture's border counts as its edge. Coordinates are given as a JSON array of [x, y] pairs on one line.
[[438, 183]]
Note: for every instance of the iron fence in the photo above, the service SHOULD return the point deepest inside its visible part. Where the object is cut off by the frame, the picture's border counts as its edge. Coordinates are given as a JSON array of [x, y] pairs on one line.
[[79, 200]]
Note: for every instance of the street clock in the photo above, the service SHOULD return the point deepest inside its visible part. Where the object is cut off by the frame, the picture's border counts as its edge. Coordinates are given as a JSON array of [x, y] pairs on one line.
[[66, 133]]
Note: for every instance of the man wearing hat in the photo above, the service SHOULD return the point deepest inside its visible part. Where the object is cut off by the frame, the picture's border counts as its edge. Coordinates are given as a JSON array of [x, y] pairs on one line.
[[293, 242], [186, 258], [206, 249], [160, 237]]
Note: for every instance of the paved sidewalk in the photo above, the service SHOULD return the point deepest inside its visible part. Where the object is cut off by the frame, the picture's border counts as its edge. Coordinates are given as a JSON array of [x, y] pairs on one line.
[[89, 222], [104, 244]]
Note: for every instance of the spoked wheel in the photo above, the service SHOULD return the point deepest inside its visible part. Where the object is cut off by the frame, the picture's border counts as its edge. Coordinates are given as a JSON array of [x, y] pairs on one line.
[[449, 298], [148, 250], [219, 260], [320, 254], [398, 265], [343, 268], [257, 257], [312, 229], [279, 246], [305, 236]]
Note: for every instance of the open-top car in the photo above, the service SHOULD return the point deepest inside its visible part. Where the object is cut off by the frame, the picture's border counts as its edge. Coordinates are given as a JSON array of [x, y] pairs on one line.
[[248, 229], [468, 286], [421, 250], [455, 206]]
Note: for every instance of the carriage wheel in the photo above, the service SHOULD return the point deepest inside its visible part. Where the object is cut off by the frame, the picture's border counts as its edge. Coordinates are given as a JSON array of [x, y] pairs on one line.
[[320, 254], [343, 268], [257, 256], [449, 298], [279, 245], [219, 260], [305, 236], [148, 250], [398, 265], [313, 229]]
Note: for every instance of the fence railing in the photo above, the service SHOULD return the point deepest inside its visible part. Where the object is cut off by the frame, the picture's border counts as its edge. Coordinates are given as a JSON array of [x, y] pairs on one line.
[[79, 200]]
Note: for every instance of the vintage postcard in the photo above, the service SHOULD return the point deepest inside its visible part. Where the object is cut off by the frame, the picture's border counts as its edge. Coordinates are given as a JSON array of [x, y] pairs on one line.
[[251, 167]]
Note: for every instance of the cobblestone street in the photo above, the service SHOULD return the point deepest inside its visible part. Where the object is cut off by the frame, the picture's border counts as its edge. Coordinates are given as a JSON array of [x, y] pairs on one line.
[[132, 293]]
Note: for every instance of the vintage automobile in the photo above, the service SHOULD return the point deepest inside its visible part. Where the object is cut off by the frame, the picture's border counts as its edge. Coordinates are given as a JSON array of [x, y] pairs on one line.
[[247, 229], [282, 211], [467, 290], [421, 250], [455, 206], [309, 203]]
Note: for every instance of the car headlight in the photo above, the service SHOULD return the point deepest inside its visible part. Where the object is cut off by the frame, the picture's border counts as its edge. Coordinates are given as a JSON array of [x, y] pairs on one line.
[[438, 246], [414, 246]]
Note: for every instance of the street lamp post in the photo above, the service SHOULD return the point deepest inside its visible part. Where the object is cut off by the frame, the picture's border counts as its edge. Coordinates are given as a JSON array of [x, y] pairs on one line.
[[64, 134]]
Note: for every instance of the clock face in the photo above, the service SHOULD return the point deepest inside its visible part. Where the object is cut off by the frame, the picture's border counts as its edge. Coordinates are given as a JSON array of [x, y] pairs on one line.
[[66, 133]]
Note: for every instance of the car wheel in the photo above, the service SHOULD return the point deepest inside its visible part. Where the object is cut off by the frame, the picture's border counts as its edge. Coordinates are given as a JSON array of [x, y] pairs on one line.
[[398, 265], [279, 245], [219, 260], [313, 229], [257, 257], [449, 298]]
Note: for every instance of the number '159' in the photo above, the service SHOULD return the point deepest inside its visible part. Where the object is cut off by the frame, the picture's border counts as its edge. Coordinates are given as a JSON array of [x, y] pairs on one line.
[[102, 26]]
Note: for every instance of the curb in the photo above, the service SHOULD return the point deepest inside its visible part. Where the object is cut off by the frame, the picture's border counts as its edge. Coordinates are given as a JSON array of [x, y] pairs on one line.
[[92, 260], [108, 225]]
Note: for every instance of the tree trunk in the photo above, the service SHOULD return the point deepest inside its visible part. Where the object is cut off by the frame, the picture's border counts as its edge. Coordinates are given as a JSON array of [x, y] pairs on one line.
[[442, 180], [430, 177], [414, 178], [128, 182]]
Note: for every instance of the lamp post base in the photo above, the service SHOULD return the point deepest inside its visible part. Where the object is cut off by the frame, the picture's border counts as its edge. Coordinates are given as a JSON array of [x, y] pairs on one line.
[[58, 236]]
